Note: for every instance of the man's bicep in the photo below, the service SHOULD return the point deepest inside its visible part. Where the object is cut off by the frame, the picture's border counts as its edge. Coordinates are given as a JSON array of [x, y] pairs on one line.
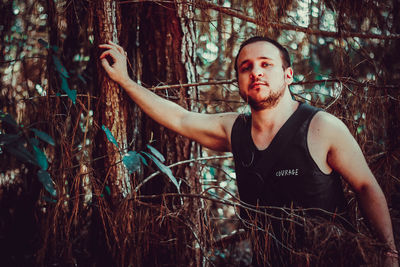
[[210, 130], [346, 157]]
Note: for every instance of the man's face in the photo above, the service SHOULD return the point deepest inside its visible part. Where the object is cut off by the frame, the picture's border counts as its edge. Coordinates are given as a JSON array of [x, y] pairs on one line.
[[262, 80]]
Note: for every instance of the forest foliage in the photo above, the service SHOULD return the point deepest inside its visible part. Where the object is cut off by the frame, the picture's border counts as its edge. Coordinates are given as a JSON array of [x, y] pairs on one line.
[[87, 179]]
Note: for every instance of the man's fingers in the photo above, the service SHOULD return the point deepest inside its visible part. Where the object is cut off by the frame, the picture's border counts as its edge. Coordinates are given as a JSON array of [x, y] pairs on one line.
[[115, 66], [118, 47], [115, 55], [106, 53], [106, 46], [105, 62], [106, 65], [113, 49]]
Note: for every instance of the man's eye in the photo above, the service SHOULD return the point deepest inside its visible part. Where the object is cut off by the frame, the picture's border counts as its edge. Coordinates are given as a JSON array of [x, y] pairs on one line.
[[243, 69], [265, 64]]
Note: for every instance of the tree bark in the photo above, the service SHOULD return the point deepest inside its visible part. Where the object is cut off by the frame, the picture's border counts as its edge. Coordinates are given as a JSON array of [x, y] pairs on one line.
[[159, 41], [113, 106]]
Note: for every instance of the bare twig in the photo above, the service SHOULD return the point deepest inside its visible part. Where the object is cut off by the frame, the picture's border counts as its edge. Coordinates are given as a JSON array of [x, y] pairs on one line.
[[285, 26], [278, 25], [20, 59], [339, 79], [179, 163], [192, 84], [63, 95], [233, 237], [337, 96], [252, 208]]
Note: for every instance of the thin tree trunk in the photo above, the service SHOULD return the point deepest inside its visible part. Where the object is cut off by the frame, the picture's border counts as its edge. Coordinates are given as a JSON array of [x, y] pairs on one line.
[[113, 104]]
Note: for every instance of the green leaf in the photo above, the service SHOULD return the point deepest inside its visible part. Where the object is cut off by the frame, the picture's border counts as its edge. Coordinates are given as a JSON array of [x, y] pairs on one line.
[[82, 78], [8, 119], [21, 153], [132, 161], [109, 135], [50, 200], [156, 153], [108, 190], [164, 169], [59, 67], [64, 84], [143, 159], [45, 179], [212, 171], [43, 43], [65, 87], [34, 142], [44, 136], [6, 139], [40, 158]]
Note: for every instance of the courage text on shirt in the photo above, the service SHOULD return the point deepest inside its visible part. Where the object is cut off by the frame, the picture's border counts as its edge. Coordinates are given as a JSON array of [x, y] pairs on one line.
[[287, 172]]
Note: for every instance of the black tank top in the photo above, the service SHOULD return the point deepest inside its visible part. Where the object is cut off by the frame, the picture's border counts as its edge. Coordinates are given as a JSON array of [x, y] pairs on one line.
[[294, 180]]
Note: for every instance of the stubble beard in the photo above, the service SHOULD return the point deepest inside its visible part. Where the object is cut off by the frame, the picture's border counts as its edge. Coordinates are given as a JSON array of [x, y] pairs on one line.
[[266, 103]]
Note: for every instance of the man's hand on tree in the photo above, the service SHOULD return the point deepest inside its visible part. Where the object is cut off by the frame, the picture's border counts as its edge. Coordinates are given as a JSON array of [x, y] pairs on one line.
[[117, 68]]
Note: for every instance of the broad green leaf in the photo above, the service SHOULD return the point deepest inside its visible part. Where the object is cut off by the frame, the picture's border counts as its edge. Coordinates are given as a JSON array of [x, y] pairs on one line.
[[65, 87], [34, 142], [132, 161], [45, 179], [72, 95], [6, 139], [8, 119], [108, 190], [40, 158], [147, 154], [64, 84], [43, 43], [143, 159], [109, 135], [44, 136], [20, 152], [164, 169], [59, 67], [156, 153]]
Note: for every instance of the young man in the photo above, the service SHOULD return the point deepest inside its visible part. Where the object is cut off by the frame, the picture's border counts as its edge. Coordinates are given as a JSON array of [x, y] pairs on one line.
[[322, 144]]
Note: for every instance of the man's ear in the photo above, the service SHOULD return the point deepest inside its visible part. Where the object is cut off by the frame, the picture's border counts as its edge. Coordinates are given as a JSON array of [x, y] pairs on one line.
[[289, 75]]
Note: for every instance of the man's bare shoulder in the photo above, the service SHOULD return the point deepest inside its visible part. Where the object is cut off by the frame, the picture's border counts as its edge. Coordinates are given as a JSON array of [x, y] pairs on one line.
[[228, 117], [226, 120], [328, 127], [211, 130], [328, 121]]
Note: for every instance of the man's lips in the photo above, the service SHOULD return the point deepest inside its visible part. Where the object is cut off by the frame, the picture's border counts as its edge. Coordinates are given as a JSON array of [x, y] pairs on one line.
[[257, 84]]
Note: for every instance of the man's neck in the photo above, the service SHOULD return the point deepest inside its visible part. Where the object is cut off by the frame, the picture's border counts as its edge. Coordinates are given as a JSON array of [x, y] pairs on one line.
[[272, 119]]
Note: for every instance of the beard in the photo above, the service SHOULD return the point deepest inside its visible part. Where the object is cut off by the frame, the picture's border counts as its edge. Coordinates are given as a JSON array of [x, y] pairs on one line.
[[265, 103]]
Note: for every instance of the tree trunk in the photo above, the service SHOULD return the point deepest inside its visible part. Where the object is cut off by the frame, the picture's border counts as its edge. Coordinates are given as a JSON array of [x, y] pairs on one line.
[[159, 41], [112, 103]]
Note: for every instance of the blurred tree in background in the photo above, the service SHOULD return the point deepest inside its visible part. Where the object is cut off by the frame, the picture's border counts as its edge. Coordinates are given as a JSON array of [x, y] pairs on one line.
[[87, 179]]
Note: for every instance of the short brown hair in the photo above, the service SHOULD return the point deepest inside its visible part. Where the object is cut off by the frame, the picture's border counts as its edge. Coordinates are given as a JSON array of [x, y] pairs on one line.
[[283, 51]]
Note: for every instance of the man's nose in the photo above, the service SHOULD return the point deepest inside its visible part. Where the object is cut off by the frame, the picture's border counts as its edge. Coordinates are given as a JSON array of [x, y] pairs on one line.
[[256, 73]]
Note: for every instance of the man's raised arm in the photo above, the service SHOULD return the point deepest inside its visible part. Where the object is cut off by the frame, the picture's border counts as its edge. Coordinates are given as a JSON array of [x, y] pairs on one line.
[[210, 130]]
